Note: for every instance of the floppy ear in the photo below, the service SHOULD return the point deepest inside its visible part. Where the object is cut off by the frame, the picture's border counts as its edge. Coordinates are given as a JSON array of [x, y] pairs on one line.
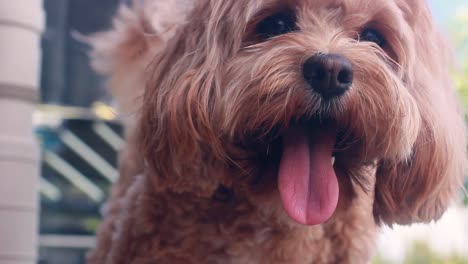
[[177, 132], [421, 188], [140, 31]]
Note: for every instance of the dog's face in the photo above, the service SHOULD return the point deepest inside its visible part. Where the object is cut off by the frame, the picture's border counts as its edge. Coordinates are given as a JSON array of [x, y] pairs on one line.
[[251, 91]]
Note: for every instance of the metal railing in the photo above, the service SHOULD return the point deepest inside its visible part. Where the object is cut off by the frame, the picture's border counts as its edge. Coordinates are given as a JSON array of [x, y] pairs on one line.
[[78, 165]]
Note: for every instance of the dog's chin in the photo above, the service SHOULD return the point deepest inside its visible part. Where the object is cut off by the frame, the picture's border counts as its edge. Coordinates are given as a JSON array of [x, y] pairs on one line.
[[300, 159]]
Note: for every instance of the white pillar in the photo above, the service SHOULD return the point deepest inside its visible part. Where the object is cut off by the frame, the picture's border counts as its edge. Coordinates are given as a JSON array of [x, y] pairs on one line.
[[21, 23]]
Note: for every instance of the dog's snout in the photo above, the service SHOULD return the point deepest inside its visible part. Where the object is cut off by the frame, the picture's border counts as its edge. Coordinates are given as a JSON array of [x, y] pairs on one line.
[[330, 75]]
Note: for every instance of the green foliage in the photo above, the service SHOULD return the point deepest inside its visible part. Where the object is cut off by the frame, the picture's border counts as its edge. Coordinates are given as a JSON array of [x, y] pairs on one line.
[[461, 81], [91, 224], [380, 260], [465, 197], [459, 34], [421, 253]]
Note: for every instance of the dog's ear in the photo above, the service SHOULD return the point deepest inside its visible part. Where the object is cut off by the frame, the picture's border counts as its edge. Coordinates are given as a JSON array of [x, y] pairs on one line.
[[178, 132], [421, 188], [140, 30]]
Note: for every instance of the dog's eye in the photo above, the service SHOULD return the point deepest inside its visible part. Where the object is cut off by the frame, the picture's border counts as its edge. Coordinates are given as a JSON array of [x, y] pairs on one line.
[[277, 24], [373, 35]]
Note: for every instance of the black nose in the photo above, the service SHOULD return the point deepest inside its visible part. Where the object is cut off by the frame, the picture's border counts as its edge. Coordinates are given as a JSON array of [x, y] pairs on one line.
[[330, 75]]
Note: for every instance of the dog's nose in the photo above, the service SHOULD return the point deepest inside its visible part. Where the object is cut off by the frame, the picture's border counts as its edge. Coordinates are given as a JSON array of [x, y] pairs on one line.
[[330, 75]]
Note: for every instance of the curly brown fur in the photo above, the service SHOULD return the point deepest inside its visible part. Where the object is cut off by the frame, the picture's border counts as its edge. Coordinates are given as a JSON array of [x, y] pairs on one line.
[[200, 181]]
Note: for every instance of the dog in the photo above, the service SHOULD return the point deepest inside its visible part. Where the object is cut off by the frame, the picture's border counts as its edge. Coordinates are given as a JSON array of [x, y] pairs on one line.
[[276, 131]]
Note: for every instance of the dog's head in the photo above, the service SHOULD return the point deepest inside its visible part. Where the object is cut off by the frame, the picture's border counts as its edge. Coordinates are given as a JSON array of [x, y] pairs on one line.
[[252, 91]]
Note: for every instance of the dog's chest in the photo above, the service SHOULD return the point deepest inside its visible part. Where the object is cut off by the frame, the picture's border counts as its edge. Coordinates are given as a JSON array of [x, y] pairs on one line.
[[241, 235]]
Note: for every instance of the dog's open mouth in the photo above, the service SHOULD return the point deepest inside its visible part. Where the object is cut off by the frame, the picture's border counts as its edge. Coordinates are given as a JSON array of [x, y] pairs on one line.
[[300, 159], [307, 181]]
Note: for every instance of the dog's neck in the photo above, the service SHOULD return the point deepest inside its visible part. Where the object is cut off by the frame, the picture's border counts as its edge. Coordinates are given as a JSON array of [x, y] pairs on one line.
[[243, 217]]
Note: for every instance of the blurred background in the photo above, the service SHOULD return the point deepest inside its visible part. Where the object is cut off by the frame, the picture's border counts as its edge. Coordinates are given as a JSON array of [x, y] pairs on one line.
[[79, 135]]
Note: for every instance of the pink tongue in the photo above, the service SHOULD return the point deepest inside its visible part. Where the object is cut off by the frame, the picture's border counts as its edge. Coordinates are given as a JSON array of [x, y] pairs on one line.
[[307, 181]]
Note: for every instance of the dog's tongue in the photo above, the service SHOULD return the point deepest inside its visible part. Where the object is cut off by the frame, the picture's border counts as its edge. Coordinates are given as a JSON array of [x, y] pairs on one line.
[[306, 179]]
